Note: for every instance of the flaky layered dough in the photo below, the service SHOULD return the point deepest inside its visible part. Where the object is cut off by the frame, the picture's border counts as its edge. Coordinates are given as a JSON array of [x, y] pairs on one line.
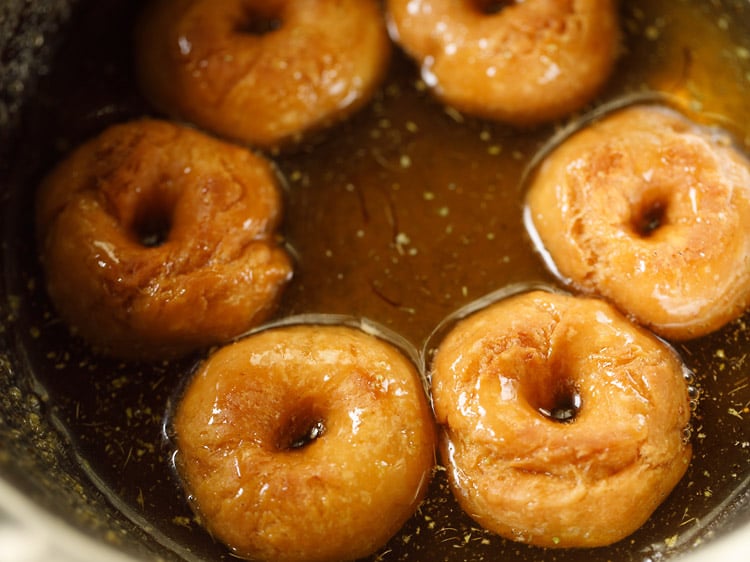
[[261, 72], [156, 240], [562, 423], [524, 63], [651, 212], [305, 443]]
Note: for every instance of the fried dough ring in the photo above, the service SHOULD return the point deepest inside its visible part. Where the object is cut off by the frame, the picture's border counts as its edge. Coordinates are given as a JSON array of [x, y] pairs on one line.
[[527, 63], [562, 422], [261, 72], [305, 442], [650, 211], [156, 240]]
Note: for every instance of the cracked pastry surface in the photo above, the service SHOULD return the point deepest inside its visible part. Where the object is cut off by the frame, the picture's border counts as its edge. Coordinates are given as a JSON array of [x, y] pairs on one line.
[[157, 240], [562, 424]]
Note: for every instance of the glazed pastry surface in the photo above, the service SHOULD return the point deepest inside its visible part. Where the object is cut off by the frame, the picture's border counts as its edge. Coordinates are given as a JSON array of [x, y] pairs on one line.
[[305, 443], [523, 63], [258, 72], [649, 211], [562, 424], [157, 240]]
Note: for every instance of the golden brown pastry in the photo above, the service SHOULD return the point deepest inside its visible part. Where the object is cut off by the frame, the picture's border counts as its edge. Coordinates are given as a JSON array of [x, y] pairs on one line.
[[562, 424], [649, 211], [523, 63], [157, 240], [261, 72], [305, 442]]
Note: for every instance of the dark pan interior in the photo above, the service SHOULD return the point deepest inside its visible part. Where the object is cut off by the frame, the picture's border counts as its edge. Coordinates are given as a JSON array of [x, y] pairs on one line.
[[83, 438]]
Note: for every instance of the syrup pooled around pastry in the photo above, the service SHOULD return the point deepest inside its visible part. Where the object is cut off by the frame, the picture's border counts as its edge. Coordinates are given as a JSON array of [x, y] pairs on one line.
[[403, 215]]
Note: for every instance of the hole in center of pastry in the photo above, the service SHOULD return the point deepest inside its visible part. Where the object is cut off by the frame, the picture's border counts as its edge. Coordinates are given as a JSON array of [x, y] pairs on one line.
[[649, 217], [152, 228], [562, 404], [300, 430], [257, 23], [489, 7]]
